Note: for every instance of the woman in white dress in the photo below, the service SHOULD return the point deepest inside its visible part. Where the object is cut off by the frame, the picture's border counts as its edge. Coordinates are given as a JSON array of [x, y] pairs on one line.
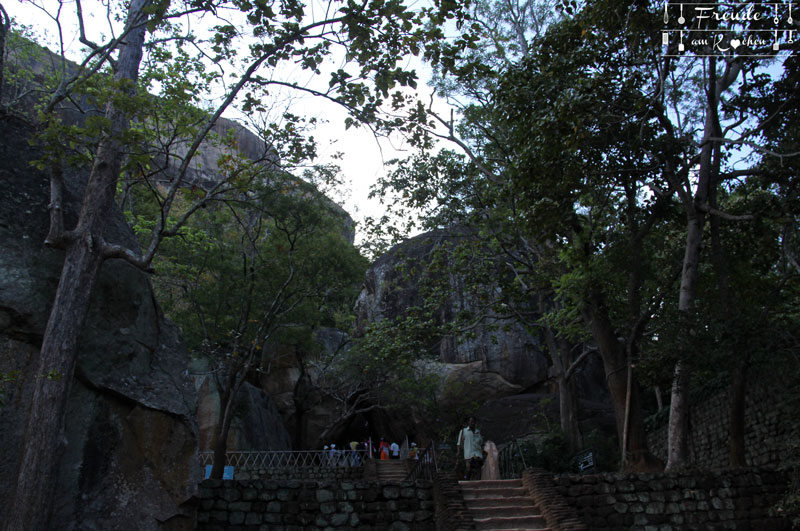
[[491, 467]]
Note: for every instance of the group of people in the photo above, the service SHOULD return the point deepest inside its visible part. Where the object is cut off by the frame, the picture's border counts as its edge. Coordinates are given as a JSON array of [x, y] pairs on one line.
[[357, 450], [479, 458], [385, 451], [333, 456]]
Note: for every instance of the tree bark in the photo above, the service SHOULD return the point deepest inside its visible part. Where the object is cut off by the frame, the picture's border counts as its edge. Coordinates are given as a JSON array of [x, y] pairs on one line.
[[227, 402], [678, 436], [679, 406], [568, 408], [44, 431], [737, 420], [736, 448], [560, 354], [638, 456], [5, 26]]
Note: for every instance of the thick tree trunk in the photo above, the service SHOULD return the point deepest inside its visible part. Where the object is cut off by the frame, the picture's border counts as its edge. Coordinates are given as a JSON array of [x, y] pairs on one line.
[[568, 408], [44, 440], [679, 407], [638, 456], [678, 436], [561, 356], [44, 431]]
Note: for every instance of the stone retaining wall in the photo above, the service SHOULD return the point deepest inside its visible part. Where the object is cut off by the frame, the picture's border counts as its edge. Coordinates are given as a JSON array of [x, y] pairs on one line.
[[308, 505], [768, 427], [303, 474], [726, 499], [556, 511], [452, 513]]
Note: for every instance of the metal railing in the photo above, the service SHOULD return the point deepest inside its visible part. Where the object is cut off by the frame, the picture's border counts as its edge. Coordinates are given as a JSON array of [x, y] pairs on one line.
[[289, 459], [426, 467], [511, 460]]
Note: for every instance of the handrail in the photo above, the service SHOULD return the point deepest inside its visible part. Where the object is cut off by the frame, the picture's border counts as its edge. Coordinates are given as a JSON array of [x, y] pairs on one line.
[[426, 466], [511, 459], [245, 460]]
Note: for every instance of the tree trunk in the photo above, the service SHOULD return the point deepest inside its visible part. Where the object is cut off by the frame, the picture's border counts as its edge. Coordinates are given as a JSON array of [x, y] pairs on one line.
[[44, 440], [568, 408], [5, 26], [737, 420], [678, 436], [561, 356], [638, 456], [682, 376], [44, 431], [227, 402]]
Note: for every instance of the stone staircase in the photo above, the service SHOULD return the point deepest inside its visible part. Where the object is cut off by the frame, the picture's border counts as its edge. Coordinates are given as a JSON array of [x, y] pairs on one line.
[[391, 471], [501, 504]]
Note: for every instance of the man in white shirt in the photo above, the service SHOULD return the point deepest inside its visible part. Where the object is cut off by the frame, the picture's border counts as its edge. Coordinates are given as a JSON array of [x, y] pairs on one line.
[[470, 445], [394, 448]]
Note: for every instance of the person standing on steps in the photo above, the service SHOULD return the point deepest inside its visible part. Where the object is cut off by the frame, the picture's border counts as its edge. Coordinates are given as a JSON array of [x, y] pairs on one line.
[[470, 442]]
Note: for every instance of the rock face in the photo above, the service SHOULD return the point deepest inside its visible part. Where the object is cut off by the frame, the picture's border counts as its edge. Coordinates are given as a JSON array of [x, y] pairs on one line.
[[257, 426], [499, 361], [509, 351], [130, 458]]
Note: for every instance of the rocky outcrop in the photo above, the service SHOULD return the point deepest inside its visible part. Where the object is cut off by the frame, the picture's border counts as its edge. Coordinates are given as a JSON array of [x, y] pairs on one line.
[[258, 424], [500, 346], [130, 457], [499, 365]]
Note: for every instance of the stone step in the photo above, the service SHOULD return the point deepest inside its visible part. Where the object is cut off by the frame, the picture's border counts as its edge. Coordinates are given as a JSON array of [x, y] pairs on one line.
[[518, 522], [518, 501], [493, 483], [504, 512], [518, 529], [470, 492]]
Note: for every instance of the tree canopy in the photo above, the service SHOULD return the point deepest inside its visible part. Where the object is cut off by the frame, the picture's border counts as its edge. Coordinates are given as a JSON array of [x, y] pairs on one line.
[[620, 183]]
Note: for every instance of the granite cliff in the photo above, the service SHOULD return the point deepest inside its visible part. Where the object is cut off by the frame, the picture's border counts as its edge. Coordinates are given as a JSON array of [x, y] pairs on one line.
[[131, 437], [502, 366]]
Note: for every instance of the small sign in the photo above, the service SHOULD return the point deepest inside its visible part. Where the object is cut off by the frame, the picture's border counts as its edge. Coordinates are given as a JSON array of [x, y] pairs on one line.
[[585, 461]]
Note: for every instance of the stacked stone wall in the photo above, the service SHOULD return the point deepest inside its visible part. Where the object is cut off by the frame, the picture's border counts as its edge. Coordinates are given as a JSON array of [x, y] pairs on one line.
[[726, 499], [558, 514], [768, 427], [452, 513], [303, 474], [308, 505]]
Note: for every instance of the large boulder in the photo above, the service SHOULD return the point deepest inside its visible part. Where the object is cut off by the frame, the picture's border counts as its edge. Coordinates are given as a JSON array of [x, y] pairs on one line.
[[256, 426], [499, 359], [502, 347], [131, 440]]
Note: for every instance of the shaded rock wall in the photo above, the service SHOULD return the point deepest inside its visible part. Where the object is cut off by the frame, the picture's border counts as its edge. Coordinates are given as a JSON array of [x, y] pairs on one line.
[[257, 425], [131, 436], [508, 351], [501, 360]]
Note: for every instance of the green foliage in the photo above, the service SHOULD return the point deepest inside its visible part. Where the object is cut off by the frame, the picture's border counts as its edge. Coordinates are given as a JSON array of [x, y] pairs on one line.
[[581, 153], [237, 273]]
